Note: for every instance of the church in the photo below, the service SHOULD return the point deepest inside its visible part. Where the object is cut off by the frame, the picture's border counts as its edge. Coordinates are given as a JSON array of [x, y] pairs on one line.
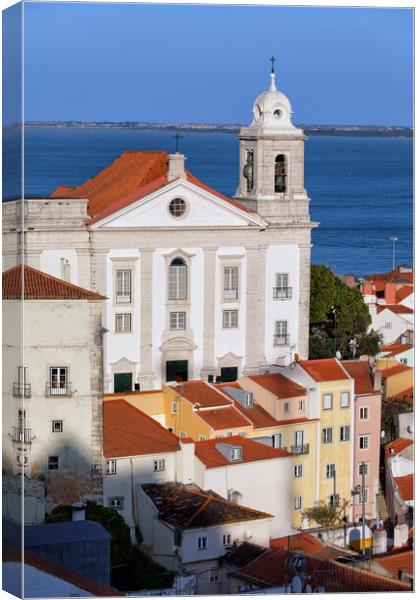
[[198, 285]]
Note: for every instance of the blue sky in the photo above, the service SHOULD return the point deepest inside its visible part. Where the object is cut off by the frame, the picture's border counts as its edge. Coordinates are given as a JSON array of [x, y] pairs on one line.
[[208, 63]]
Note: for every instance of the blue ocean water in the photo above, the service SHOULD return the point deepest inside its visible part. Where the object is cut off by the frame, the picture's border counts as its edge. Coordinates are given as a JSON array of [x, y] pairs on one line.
[[361, 189]]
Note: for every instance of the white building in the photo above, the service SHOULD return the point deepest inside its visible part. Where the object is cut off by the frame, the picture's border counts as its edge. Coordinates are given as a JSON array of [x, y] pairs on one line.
[[197, 284], [52, 390]]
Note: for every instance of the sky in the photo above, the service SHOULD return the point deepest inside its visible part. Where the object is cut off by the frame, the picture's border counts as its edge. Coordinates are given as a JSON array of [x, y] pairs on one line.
[[207, 64]]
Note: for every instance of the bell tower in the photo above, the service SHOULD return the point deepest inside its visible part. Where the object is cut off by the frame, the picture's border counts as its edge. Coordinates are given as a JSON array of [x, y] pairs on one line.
[[271, 171]]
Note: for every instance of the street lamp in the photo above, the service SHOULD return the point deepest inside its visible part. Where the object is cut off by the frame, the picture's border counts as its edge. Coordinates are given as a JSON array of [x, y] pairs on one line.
[[393, 239]]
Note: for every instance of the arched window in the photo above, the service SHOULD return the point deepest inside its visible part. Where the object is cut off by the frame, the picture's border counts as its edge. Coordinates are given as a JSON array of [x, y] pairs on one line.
[[280, 174], [178, 279]]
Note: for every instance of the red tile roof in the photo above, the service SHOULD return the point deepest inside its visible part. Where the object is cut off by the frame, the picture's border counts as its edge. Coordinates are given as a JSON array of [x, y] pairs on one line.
[[394, 370], [359, 370], [224, 418], [398, 309], [259, 417], [391, 275], [324, 369], [189, 507], [41, 286], [279, 385], [395, 348], [82, 582], [201, 394], [131, 176], [405, 486], [252, 451], [130, 432], [406, 396], [397, 563], [307, 543], [398, 446], [403, 293]]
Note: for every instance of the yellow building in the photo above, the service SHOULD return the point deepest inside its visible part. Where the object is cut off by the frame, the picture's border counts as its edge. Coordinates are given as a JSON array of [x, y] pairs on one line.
[[396, 378]]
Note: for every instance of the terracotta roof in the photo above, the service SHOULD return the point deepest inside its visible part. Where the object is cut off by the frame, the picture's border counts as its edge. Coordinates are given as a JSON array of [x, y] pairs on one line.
[[189, 507], [394, 370], [224, 418], [94, 587], [398, 446], [131, 176], [395, 348], [279, 385], [391, 275], [405, 486], [241, 555], [359, 370], [130, 432], [208, 453], [397, 563], [406, 395], [272, 569], [403, 293], [259, 417], [201, 394], [41, 286], [307, 543], [398, 309], [324, 369], [297, 420]]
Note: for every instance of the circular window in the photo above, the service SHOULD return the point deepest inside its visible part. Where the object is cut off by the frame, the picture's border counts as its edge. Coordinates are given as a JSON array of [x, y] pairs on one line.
[[278, 113], [177, 207]]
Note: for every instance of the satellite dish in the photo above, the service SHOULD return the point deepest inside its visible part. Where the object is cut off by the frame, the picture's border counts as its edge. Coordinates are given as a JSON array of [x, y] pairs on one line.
[[308, 588], [297, 358], [338, 355], [410, 428], [297, 585], [247, 534]]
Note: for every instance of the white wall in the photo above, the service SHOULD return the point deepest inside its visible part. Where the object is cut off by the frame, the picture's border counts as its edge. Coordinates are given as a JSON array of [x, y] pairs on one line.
[[50, 262], [37, 583], [399, 324]]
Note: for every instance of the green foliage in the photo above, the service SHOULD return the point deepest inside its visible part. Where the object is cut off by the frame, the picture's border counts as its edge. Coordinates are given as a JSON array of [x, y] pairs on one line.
[[368, 343], [324, 515], [389, 408], [320, 345], [131, 569], [322, 293]]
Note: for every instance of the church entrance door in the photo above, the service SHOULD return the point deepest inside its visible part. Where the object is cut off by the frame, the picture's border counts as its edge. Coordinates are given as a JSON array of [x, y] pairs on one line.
[[123, 382], [177, 370], [229, 373]]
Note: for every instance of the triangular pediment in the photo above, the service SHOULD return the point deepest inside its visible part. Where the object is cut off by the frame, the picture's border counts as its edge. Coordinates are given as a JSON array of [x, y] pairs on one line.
[[202, 209]]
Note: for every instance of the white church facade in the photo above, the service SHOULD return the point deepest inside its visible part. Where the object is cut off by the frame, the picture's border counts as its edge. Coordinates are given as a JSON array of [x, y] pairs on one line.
[[198, 285]]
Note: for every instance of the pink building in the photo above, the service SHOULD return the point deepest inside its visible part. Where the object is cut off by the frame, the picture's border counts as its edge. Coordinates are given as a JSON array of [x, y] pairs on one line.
[[367, 434]]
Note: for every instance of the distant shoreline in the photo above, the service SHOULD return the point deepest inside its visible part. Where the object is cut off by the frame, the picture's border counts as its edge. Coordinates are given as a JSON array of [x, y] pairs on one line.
[[313, 130]]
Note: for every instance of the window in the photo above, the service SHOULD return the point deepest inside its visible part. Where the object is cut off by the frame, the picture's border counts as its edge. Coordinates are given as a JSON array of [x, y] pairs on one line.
[[177, 321], [58, 385], [178, 279], [171, 429], [327, 401], [282, 280], [177, 207], [230, 319], [404, 361], [282, 290], [214, 576], [276, 439], [182, 434], [327, 435], [175, 408], [301, 405], [363, 467], [363, 442], [334, 500], [123, 323], [345, 399], [363, 495], [202, 438], [286, 407], [388, 325], [281, 337], [248, 399], [297, 502], [159, 465], [344, 433], [227, 539], [364, 413], [116, 502], [280, 174], [330, 471], [111, 467], [123, 285], [298, 469], [57, 426], [202, 543], [229, 434], [231, 283], [53, 463], [236, 454]]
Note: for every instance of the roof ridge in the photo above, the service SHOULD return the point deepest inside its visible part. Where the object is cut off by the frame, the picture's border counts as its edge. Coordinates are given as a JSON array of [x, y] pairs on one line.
[[198, 511]]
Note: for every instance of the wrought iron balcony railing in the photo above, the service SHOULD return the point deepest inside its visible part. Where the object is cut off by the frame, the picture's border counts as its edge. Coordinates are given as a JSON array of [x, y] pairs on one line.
[[302, 449], [58, 389], [22, 390], [281, 340], [22, 435], [282, 293]]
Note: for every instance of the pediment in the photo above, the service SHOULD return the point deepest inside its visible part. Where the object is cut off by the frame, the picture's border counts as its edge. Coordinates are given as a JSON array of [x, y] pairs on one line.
[[203, 209]]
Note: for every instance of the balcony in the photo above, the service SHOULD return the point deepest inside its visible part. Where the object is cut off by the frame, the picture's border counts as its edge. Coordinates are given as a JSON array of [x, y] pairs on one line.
[[282, 293], [58, 389], [302, 449], [281, 340], [22, 435], [22, 390]]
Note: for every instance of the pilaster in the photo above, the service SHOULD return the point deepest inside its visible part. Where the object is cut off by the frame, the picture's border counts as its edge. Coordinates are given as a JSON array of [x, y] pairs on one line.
[[146, 376], [208, 364], [304, 297]]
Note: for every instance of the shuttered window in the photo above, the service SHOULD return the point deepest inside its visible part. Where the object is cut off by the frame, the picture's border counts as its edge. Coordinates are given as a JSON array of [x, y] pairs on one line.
[[231, 283], [123, 285], [178, 280]]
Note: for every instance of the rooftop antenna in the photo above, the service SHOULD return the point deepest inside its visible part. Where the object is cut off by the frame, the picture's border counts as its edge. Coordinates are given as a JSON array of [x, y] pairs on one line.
[[177, 138]]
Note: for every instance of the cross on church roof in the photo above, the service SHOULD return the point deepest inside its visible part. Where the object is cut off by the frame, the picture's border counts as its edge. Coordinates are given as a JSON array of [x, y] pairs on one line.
[[177, 137], [273, 60]]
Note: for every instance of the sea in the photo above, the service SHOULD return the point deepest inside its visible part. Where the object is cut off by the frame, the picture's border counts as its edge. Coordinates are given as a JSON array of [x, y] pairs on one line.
[[360, 188]]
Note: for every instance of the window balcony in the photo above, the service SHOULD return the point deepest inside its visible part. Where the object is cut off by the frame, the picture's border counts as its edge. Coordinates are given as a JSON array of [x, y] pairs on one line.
[[22, 435], [281, 340], [282, 293], [302, 449], [22, 390], [58, 389]]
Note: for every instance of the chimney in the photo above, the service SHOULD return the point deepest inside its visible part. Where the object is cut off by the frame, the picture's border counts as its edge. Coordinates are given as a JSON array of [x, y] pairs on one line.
[[390, 292], [78, 511], [400, 535], [176, 166], [186, 461], [377, 380], [379, 541]]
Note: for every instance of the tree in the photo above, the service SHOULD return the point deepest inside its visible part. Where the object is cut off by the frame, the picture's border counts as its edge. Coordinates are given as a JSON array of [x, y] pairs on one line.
[[325, 515]]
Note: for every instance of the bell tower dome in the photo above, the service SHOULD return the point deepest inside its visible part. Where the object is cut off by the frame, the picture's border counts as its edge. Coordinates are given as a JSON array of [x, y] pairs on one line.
[[271, 172]]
